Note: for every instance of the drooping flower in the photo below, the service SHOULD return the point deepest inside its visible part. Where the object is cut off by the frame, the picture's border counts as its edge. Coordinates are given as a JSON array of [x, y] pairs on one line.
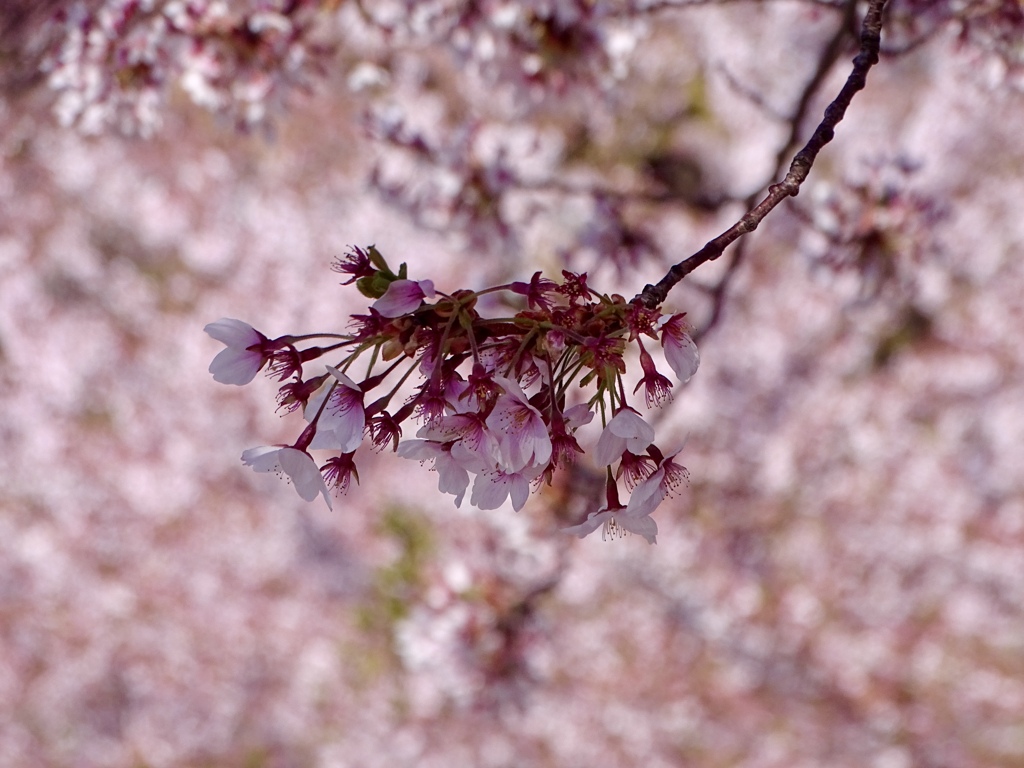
[[343, 418], [615, 520], [626, 430], [452, 476], [635, 469], [247, 351], [431, 401], [480, 391], [680, 351], [403, 296], [339, 471], [296, 394], [664, 481], [564, 446], [490, 489], [285, 362], [385, 430], [296, 464], [368, 326], [657, 388]]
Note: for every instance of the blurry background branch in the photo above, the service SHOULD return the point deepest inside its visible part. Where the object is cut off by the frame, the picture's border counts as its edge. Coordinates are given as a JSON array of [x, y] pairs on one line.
[[870, 39]]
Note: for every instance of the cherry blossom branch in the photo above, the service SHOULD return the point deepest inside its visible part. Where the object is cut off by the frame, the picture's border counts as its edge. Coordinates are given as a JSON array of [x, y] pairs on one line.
[[870, 40]]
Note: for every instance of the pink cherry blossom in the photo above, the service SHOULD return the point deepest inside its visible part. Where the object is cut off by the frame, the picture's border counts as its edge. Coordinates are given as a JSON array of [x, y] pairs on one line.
[[491, 489], [626, 430], [342, 419], [475, 447], [657, 387], [523, 436], [635, 469], [245, 355], [297, 465], [680, 351], [403, 296], [578, 415], [664, 481], [616, 522], [539, 292], [339, 471], [452, 476]]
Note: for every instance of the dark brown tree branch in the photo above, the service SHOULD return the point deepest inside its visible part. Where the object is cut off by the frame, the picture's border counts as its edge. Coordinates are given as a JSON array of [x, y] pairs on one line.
[[870, 40]]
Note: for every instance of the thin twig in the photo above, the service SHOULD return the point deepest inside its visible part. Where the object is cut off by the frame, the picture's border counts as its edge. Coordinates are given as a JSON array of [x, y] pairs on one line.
[[870, 39]]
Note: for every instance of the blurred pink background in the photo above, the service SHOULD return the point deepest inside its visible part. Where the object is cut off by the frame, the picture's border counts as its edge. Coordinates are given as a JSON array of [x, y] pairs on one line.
[[841, 585]]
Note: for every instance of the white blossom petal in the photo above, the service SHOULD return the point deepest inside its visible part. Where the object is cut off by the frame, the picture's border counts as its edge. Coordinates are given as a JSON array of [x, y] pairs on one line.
[[297, 465], [592, 523], [681, 353], [403, 297], [626, 430], [237, 364], [233, 332]]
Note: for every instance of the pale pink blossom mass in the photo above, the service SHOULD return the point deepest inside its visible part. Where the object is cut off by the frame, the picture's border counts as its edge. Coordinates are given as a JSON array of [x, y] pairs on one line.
[[841, 588]]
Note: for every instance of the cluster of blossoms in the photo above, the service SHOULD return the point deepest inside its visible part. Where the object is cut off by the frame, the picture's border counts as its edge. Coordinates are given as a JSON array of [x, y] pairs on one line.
[[492, 399], [117, 60]]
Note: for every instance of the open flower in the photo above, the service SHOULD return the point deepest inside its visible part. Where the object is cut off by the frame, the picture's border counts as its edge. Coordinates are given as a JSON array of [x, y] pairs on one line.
[[475, 446], [680, 351], [247, 351], [616, 522], [664, 481], [522, 434], [490, 489], [403, 296], [635, 469], [626, 430], [297, 465], [452, 476], [342, 419]]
